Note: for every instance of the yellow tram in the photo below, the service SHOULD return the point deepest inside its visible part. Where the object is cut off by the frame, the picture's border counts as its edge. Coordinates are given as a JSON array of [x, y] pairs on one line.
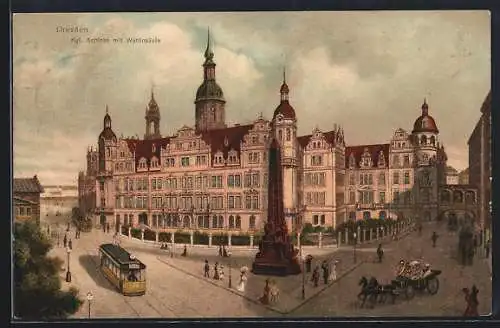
[[123, 270]]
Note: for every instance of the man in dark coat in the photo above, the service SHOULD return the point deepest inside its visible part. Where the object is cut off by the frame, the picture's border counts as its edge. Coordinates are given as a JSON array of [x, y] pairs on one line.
[[487, 248], [434, 238], [315, 276], [207, 269], [324, 267], [380, 253], [220, 250], [309, 259], [70, 244], [65, 240]]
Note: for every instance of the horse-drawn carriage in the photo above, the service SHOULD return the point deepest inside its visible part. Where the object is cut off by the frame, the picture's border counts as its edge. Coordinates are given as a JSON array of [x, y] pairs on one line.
[[410, 276]]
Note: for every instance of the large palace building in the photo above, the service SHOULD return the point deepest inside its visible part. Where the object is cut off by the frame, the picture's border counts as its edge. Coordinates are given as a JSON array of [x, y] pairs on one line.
[[214, 176]]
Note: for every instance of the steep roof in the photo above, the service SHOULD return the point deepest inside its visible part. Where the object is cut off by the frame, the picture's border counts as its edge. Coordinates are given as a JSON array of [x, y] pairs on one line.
[[330, 137], [374, 150], [144, 148], [226, 139], [27, 185]]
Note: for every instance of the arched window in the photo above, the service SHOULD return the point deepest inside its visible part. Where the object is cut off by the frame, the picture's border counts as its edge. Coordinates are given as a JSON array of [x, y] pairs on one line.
[[169, 220], [458, 196], [322, 220], [382, 215], [186, 221], [423, 140], [251, 222], [288, 134], [206, 222], [366, 215], [238, 222], [433, 140], [215, 222], [200, 221], [280, 135], [155, 222], [221, 221], [231, 222]]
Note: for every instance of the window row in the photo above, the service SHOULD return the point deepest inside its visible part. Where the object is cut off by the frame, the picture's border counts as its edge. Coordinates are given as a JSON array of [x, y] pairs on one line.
[[316, 198], [315, 179], [124, 167], [396, 178], [202, 221]]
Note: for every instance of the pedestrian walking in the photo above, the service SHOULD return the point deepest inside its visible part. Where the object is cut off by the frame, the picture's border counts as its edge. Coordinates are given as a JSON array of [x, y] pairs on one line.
[[471, 301], [220, 250], [380, 253], [70, 244], [487, 248], [185, 251], [48, 230], [324, 267], [315, 276], [333, 274], [107, 227], [434, 238], [216, 271], [207, 269], [309, 259], [420, 229], [65, 241]]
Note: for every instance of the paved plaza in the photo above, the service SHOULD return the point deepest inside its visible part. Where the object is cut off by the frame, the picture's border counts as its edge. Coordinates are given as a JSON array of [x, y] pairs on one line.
[[176, 287]]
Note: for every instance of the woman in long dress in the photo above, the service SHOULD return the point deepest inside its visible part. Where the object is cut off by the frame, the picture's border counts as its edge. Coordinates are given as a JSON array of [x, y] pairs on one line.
[[242, 283], [333, 272]]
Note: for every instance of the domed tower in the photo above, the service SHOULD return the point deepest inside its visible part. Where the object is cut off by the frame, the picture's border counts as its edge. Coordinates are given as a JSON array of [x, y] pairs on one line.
[[209, 103], [284, 128], [426, 145], [107, 145], [152, 119]]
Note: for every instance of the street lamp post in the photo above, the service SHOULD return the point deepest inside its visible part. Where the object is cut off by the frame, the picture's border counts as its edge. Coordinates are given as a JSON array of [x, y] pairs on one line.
[[90, 297], [355, 242], [230, 280], [68, 273], [303, 273]]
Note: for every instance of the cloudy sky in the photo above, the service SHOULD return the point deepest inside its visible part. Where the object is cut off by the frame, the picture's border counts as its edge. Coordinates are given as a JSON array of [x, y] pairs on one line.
[[368, 71]]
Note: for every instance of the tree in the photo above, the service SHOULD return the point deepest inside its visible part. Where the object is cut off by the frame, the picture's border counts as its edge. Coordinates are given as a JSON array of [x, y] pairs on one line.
[[37, 285]]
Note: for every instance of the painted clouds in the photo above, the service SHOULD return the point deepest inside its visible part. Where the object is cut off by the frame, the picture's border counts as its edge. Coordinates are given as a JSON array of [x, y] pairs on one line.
[[367, 71]]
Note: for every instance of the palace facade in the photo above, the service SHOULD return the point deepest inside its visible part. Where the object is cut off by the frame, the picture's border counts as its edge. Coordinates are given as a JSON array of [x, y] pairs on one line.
[[214, 176]]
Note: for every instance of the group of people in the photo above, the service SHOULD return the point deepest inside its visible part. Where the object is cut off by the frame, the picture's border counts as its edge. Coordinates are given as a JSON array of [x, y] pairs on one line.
[[67, 242], [218, 271], [471, 301], [223, 251], [414, 270], [329, 273]]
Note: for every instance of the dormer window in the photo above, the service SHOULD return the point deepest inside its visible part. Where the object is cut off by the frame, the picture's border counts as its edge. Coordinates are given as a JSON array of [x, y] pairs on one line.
[[219, 158], [381, 159], [255, 139], [352, 161], [366, 159], [154, 162], [142, 163], [232, 157]]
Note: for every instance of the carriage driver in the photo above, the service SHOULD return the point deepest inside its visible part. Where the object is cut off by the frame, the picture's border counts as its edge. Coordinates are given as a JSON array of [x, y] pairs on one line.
[[427, 270]]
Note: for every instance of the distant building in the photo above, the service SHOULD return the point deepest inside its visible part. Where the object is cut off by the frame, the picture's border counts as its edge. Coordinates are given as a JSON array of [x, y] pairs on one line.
[[480, 163], [451, 176], [58, 200], [26, 199], [463, 177], [87, 184]]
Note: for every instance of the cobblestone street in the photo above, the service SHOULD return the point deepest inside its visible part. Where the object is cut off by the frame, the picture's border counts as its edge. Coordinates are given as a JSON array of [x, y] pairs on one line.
[[176, 287]]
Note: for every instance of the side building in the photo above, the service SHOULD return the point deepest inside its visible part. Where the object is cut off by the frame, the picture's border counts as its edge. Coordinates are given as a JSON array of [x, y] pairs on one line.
[[480, 164], [26, 199]]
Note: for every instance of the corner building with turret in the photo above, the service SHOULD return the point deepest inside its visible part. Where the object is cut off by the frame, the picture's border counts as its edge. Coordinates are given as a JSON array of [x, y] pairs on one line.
[[212, 176]]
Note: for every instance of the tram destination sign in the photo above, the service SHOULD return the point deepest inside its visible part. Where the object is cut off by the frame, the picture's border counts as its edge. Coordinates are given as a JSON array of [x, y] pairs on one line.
[[134, 266]]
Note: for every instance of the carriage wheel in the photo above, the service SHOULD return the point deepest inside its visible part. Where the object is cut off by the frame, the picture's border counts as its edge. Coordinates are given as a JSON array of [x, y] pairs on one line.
[[433, 285], [409, 292]]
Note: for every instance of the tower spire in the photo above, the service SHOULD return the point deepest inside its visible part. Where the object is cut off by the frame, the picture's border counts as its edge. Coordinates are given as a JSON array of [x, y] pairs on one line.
[[209, 54], [425, 108], [107, 110], [284, 88]]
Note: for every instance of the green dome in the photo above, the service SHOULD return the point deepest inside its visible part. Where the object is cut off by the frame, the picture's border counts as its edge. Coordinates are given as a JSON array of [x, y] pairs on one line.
[[209, 90]]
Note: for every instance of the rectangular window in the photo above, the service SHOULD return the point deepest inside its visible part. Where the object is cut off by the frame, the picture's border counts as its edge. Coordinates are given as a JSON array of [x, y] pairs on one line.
[[255, 180], [248, 202], [407, 178], [237, 180], [230, 201], [219, 181], [198, 182], [237, 202], [395, 178], [214, 181], [381, 197], [248, 180], [230, 180], [255, 202], [185, 161], [352, 197]]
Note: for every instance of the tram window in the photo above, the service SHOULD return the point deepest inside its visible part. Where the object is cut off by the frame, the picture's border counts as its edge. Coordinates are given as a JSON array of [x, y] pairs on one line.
[[132, 276]]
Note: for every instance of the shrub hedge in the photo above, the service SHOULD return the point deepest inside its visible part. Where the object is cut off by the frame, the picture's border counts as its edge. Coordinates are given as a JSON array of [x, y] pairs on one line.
[[200, 238], [149, 235], [182, 238], [136, 233], [164, 237]]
